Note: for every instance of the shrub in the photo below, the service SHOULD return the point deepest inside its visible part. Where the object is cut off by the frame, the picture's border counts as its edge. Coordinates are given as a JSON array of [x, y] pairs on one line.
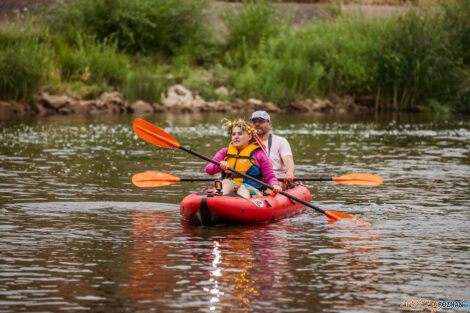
[[92, 62], [253, 24], [407, 62], [417, 62], [149, 26], [24, 63], [145, 81], [322, 58]]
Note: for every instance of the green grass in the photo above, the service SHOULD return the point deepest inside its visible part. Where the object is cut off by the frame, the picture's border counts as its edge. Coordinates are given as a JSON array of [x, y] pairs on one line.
[[146, 82], [322, 59], [407, 63], [248, 28], [24, 63], [162, 27], [418, 61], [92, 62]]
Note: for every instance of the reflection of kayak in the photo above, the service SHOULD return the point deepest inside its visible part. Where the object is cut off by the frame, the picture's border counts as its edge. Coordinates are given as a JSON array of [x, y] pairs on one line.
[[207, 208]]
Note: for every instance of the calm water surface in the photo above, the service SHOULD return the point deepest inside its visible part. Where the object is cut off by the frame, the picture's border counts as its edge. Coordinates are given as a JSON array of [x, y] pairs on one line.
[[76, 235]]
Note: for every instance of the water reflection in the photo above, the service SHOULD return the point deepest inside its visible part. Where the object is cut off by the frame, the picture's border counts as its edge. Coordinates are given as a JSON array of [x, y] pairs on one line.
[[240, 268], [66, 239], [150, 278], [354, 265], [247, 264]]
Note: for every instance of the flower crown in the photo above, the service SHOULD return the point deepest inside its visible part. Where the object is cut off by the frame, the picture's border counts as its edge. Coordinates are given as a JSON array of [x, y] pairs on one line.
[[244, 125]]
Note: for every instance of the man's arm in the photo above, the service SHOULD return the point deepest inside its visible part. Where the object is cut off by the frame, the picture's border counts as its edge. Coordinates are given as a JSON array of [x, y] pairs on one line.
[[290, 167]]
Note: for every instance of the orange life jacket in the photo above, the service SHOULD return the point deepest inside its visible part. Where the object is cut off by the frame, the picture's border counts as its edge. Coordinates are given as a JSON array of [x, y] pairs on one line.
[[244, 162]]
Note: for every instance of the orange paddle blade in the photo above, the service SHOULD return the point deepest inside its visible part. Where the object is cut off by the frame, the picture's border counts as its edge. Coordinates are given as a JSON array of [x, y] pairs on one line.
[[154, 179], [359, 179], [154, 135], [335, 216]]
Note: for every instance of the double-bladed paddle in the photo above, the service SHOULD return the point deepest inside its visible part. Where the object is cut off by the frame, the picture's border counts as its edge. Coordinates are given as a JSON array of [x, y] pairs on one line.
[[157, 179], [157, 136]]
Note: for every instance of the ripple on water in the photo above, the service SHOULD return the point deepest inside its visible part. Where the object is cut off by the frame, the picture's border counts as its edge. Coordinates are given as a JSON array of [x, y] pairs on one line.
[[75, 234]]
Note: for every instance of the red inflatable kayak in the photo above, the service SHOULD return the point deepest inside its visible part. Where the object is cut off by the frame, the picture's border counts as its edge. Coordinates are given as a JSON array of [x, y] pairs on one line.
[[208, 208]]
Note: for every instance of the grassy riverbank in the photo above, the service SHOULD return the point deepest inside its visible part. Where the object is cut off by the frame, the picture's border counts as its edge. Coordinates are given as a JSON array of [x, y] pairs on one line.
[[417, 60]]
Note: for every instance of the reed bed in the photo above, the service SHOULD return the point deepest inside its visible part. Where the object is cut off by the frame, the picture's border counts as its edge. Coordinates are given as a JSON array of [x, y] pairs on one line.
[[419, 60]]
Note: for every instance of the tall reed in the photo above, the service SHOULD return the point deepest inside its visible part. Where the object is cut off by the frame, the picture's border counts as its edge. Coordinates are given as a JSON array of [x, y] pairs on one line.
[[92, 62], [24, 62], [145, 81], [408, 63], [247, 28], [457, 14], [419, 60], [321, 59]]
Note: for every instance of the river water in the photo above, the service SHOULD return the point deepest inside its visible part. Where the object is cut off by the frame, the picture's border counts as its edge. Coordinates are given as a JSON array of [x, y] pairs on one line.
[[76, 235]]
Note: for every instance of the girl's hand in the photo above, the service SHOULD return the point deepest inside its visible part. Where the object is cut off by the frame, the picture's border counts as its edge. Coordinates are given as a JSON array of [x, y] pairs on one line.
[[277, 188], [224, 165]]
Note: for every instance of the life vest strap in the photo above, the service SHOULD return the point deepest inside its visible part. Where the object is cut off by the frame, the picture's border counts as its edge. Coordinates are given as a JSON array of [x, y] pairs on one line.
[[238, 156]]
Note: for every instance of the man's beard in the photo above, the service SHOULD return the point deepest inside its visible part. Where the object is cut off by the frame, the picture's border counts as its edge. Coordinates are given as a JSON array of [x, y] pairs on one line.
[[261, 132]]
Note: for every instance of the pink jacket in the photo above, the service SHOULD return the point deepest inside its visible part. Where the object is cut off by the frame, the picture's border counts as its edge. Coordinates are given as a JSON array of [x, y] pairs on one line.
[[261, 160]]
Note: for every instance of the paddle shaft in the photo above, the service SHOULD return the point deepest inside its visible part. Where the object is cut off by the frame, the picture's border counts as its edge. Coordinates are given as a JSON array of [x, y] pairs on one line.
[[311, 179], [280, 179], [196, 179], [253, 179]]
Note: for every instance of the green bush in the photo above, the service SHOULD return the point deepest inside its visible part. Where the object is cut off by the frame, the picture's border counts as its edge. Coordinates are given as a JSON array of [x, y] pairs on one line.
[[321, 59], [92, 62], [418, 62], [281, 73], [150, 26], [457, 14], [407, 62], [145, 81], [24, 63], [253, 24]]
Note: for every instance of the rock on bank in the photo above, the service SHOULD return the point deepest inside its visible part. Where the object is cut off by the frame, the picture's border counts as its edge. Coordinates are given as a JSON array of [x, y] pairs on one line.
[[177, 99]]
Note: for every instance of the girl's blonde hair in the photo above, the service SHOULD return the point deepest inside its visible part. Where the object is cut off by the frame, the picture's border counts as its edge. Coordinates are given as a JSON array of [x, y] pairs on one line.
[[244, 125]]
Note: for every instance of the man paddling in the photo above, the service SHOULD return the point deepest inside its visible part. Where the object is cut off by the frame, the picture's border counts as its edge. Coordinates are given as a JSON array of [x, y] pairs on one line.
[[277, 147]]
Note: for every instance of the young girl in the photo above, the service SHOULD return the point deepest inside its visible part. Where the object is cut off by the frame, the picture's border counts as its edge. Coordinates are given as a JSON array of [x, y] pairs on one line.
[[246, 156]]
